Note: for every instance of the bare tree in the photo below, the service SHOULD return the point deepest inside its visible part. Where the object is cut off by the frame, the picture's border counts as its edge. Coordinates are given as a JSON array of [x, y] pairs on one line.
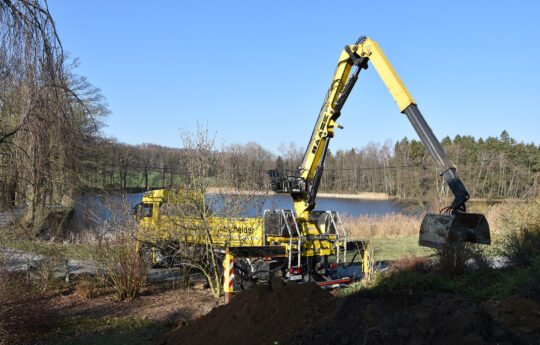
[[197, 224], [51, 114]]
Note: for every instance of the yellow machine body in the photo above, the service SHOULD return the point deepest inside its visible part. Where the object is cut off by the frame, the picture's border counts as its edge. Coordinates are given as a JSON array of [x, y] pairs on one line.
[[155, 226]]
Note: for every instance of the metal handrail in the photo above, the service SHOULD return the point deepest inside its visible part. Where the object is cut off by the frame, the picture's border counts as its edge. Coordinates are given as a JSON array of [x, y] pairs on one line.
[[337, 235], [284, 217], [299, 238], [334, 215], [344, 238]]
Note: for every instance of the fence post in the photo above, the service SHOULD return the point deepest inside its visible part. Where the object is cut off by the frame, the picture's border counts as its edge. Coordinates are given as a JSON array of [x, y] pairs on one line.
[[228, 276]]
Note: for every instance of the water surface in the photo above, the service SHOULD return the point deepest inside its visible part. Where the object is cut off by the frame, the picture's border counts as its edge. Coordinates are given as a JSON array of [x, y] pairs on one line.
[[92, 210]]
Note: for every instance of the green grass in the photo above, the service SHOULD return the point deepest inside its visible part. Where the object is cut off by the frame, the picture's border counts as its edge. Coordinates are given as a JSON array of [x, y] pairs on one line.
[[480, 285], [386, 249], [105, 330], [72, 251], [390, 249]]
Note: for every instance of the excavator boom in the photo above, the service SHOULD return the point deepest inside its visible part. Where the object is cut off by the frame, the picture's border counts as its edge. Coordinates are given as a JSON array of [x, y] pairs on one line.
[[446, 230]]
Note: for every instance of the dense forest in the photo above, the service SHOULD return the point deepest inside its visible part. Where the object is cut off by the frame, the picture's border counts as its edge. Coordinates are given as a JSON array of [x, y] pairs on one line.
[[51, 147], [491, 168], [496, 167]]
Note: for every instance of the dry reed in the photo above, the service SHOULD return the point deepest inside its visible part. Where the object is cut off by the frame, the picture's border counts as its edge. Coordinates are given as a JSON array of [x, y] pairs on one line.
[[503, 218], [508, 217], [389, 225]]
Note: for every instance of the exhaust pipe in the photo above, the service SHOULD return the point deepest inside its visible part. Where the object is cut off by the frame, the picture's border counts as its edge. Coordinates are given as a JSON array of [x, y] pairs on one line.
[[449, 231]]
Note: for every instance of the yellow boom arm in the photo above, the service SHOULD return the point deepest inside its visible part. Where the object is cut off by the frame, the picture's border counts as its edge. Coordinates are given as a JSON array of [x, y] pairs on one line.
[[303, 188]]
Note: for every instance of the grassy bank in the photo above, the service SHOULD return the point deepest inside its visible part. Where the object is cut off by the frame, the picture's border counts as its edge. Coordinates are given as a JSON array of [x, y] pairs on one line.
[[47, 248], [393, 248], [515, 229], [393, 235]]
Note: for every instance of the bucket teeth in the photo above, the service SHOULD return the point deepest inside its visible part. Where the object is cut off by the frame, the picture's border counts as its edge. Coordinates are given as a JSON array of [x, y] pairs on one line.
[[450, 231]]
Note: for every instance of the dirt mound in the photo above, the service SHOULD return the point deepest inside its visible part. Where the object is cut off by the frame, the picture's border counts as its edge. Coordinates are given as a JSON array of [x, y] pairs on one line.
[[262, 315], [305, 314], [518, 313], [428, 319]]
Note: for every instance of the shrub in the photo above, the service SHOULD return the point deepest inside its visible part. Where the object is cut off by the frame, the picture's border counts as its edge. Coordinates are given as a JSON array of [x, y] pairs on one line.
[[510, 217], [122, 266], [115, 253], [410, 262], [47, 271], [522, 246], [519, 227], [87, 289], [456, 261]]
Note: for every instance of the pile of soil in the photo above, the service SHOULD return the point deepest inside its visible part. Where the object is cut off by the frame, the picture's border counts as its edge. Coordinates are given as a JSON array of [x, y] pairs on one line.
[[427, 319], [518, 313], [272, 314], [300, 314]]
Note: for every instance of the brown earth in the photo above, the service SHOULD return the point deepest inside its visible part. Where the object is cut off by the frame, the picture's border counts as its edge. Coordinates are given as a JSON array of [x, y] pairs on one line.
[[262, 315], [32, 316], [518, 313], [305, 314], [156, 302]]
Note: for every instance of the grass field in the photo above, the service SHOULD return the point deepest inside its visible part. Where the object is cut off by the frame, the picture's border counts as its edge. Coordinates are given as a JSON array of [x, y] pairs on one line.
[[46, 248], [389, 249], [392, 248], [106, 331]]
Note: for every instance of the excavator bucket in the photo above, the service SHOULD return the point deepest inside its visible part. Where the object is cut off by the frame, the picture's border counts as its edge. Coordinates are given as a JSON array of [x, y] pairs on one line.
[[450, 231]]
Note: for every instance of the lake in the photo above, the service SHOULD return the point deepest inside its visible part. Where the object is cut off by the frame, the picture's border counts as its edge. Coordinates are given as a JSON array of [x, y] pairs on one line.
[[91, 209], [350, 207]]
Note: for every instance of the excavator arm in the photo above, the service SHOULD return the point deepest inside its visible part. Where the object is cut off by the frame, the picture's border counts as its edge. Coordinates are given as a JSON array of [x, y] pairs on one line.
[[437, 230], [370, 49]]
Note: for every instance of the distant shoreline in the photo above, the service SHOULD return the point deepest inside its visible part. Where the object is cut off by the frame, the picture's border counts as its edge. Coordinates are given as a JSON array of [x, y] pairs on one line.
[[363, 195], [357, 196]]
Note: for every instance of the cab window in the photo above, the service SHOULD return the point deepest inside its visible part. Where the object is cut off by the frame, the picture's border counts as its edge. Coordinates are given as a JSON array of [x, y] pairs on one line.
[[147, 210]]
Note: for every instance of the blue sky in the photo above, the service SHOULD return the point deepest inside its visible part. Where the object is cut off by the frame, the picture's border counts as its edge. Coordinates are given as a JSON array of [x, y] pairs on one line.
[[258, 71]]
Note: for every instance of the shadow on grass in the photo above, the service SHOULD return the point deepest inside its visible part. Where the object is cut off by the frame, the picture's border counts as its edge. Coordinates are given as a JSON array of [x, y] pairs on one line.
[[105, 330]]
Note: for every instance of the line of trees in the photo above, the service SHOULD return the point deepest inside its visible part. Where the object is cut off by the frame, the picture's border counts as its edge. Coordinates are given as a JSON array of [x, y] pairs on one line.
[[491, 168], [497, 167], [121, 167]]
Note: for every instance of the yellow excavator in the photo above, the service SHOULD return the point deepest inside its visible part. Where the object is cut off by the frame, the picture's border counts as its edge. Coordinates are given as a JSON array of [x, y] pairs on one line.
[[296, 244], [446, 230]]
